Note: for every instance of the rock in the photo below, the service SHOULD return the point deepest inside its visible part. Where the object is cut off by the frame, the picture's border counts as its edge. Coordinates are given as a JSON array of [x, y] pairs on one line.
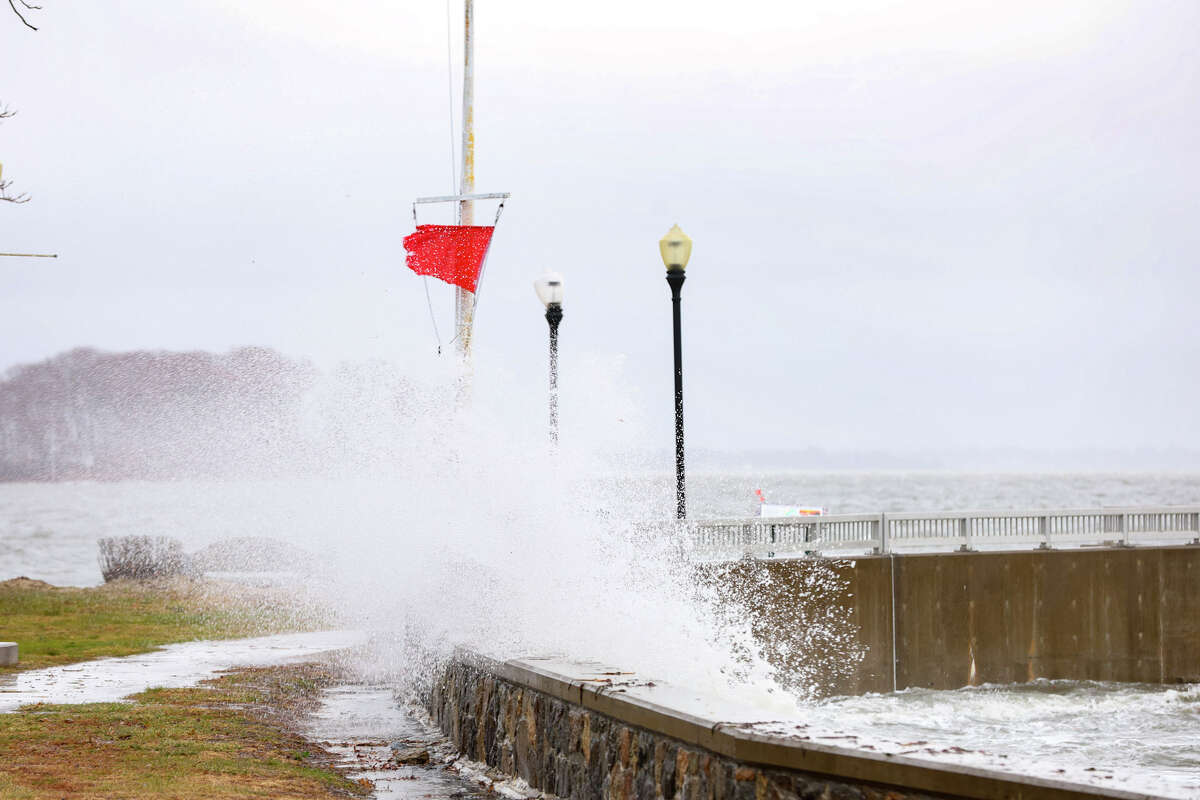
[[404, 753]]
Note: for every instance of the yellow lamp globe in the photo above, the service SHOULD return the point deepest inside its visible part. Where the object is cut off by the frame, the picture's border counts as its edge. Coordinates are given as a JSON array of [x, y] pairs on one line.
[[676, 249]]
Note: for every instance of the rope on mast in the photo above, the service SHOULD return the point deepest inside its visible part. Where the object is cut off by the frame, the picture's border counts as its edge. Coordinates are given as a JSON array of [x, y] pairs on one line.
[[450, 97], [453, 168]]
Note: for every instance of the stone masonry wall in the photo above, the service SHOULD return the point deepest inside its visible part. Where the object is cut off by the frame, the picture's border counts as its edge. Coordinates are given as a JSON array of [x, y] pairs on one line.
[[579, 754]]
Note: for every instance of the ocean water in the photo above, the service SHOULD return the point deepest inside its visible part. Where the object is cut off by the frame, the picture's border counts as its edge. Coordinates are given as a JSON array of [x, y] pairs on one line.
[[1145, 737], [48, 531], [852, 492], [1135, 737]]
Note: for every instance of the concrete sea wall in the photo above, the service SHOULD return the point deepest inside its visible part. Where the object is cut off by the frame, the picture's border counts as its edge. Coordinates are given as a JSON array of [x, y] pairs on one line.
[[580, 737], [949, 620]]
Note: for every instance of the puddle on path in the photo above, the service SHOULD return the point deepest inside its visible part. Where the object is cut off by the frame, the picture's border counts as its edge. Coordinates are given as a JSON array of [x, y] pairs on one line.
[[174, 666], [360, 723], [357, 723]]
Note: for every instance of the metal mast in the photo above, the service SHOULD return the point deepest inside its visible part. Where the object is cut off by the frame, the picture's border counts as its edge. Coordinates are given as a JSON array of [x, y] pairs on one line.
[[464, 301]]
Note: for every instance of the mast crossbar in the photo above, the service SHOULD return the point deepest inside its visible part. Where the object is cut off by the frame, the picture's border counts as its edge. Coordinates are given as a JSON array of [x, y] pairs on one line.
[[458, 198]]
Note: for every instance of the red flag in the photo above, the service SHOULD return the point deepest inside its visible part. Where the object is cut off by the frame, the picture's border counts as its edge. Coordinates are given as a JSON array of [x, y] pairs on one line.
[[452, 253]]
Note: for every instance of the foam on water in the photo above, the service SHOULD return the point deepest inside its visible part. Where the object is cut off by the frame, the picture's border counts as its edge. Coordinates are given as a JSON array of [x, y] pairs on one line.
[[1133, 736]]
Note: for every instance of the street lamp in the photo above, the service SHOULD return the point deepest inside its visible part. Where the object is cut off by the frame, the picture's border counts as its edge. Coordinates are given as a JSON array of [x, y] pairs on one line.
[[549, 290], [676, 249]]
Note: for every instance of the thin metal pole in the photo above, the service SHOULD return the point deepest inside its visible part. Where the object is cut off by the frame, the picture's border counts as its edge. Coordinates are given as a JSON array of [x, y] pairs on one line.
[[895, 654], [675, 278], [554, 316], [464, 301]]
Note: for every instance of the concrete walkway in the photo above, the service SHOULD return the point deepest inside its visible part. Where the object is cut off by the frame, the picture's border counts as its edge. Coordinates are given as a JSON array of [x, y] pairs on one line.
[[174, 666]]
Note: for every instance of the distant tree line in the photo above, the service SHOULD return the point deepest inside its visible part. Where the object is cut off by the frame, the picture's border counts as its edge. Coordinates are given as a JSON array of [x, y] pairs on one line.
[[87, 414]]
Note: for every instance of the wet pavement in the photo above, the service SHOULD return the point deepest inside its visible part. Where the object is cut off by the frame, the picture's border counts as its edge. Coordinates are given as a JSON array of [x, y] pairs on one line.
[[175, 666], [366, 728], [363, 726]]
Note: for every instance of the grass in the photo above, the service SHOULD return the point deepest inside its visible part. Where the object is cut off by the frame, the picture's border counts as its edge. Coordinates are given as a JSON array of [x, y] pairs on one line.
[[61, 625], [231, 737]]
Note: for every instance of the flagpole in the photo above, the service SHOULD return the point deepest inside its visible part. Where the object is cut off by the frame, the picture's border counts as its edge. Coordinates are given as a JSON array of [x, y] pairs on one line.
[[464, 303]]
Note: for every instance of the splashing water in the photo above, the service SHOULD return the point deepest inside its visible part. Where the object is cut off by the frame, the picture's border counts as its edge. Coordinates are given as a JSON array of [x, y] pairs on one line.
[[437, 518], [477, 536]]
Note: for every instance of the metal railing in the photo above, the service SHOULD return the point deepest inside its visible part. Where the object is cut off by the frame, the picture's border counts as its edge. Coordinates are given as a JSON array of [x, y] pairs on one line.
[[962, 530]]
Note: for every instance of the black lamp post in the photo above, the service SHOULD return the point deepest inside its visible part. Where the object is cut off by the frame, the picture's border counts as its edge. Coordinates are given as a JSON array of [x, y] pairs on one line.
[[676, 249], [549, 289]]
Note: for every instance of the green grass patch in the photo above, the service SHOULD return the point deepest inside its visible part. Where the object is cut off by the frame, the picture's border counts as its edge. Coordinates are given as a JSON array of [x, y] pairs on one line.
[[231, 737], [61, 625]]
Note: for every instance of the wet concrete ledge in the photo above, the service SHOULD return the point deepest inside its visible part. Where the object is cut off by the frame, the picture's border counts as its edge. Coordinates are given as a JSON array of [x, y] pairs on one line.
[[947, 620], [587, 739]]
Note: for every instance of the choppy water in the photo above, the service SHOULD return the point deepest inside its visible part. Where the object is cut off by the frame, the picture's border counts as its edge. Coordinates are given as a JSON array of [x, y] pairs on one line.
[[49, 530], [1129, 736], [852, 492]]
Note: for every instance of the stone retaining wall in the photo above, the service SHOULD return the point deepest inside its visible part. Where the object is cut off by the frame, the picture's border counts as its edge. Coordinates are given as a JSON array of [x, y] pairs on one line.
[[578, 754], [557, 739]]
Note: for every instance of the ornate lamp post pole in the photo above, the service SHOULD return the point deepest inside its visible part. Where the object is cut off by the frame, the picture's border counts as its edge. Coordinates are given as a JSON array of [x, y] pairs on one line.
[[549, 290], [676, 249]]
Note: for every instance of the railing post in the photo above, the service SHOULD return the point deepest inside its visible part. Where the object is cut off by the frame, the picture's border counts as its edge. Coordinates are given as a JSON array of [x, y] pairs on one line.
[[1124, 530], [885, 545], [1044, 531], [964, 530], [1196, 527]]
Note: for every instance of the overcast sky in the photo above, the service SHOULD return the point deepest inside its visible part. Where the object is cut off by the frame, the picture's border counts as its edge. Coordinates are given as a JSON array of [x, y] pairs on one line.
[[917, 224]]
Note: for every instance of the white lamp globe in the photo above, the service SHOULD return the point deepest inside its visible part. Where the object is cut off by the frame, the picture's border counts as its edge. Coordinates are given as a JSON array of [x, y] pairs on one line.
[[549, 289]]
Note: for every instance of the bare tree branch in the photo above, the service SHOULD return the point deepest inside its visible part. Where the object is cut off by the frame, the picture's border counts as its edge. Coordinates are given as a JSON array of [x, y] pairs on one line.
[[5, 113], [11, 198], [13, 5]]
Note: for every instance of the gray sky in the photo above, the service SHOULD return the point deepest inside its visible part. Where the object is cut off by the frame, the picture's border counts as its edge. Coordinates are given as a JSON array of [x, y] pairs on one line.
[[917, 225]]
